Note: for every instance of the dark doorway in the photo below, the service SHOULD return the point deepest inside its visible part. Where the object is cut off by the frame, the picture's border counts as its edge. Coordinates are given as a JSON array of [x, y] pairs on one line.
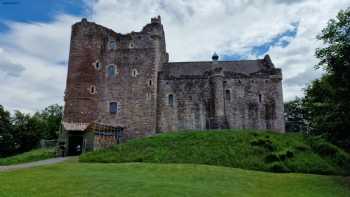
[[75, 144]]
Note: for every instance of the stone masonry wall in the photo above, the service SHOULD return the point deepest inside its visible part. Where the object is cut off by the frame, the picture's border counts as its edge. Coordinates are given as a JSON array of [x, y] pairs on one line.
[[221, 101]]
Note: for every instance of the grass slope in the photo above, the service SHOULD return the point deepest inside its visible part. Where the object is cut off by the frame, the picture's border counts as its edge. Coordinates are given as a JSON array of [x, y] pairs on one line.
[[34, 155], [141, 179], [233, 148]]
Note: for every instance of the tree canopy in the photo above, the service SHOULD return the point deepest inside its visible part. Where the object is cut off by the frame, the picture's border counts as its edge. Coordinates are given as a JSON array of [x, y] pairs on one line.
[[327, 100]]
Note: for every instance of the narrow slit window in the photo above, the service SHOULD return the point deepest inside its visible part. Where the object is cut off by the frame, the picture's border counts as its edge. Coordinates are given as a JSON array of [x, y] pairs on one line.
[[171, 100], [150, 82], [92, 89], [260, 98], [228, 95], [97, 65], [134, 72]]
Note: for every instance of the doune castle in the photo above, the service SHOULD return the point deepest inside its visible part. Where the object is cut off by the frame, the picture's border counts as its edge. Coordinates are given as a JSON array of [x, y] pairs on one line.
[[122, 86]]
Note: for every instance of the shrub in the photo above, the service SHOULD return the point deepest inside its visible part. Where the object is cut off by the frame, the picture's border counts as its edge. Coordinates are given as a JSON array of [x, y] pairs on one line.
[[278, 167], [265, 143], [302, 147], [271, 158]]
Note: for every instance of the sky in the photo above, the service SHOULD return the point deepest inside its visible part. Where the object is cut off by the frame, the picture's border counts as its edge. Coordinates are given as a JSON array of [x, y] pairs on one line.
[[35, 35]]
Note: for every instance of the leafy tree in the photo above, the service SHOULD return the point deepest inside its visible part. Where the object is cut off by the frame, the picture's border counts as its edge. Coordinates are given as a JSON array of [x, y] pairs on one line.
[[7, 143], [52, 116], [327, 100], [27, 131], [294, 116]]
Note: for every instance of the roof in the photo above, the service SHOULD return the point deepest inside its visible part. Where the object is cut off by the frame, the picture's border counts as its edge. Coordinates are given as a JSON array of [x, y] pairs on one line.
[[78, 126], [247, 67], [75, 126]]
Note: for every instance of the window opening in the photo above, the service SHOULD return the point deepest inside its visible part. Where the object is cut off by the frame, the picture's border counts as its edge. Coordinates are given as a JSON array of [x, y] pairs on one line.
[[113, 107], [171, 100]]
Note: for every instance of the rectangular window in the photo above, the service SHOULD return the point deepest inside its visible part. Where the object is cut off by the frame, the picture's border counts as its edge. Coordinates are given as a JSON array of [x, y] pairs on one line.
[[113, 107], [228, 95]]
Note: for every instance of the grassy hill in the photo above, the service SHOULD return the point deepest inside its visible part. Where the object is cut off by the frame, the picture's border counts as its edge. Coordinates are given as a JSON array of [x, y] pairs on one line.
[[143, 179], [33, 155], [245, 149]]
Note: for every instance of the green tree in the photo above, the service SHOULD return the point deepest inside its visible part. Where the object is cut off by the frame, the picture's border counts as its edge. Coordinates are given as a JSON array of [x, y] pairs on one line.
[[294, 116], [7, 143], [27, 131], [52, 116], [327, 100]]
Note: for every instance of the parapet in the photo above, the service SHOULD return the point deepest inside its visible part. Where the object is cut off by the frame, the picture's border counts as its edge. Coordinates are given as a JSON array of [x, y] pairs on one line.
[[156, 20]]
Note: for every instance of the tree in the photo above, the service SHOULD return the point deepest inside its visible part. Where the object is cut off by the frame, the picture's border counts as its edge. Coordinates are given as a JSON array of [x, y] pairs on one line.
[[327, 100], [294, 116], [7, 143], [27, 131], [52, 116]]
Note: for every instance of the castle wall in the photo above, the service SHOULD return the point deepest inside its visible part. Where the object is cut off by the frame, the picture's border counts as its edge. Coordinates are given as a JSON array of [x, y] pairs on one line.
[[215, 101], [188, 110]]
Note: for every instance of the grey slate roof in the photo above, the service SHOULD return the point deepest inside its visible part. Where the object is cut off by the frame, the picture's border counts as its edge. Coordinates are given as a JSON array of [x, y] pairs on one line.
[[247, 67]]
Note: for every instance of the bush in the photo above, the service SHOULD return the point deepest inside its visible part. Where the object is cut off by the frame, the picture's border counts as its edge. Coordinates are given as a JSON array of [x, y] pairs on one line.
[[278, 167], [265, 143], [271, 158]]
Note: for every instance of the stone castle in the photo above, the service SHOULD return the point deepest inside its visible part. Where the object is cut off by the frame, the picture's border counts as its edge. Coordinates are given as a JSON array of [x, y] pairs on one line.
[[122, 86]]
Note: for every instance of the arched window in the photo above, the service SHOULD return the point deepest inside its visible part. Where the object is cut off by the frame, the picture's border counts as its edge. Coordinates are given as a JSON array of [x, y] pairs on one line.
[[260, 98], [171, 100], [111, 71], [113, 107], [150, 82], [228, 95]]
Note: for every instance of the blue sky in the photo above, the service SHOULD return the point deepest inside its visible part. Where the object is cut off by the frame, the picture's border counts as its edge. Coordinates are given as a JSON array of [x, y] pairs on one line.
[[38, 10], [35, 36]]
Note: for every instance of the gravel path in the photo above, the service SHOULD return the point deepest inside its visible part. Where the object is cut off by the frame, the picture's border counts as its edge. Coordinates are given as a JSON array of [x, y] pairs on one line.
[[33, 164]]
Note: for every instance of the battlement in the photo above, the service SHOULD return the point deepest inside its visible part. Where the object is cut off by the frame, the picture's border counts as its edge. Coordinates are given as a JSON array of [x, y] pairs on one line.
[[146, 38], [156, 20]]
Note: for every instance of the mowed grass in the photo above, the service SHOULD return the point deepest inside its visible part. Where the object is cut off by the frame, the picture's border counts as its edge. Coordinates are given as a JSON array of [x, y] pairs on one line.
[[145, 179], [34, 155], [247, 149]]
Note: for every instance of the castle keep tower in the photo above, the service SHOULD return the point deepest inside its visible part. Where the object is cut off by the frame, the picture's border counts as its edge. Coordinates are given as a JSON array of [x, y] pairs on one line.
[[112, 81], [121, 86]]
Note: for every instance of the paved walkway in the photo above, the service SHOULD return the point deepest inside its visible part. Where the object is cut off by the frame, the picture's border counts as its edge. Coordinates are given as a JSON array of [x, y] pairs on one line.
[[33, 164]]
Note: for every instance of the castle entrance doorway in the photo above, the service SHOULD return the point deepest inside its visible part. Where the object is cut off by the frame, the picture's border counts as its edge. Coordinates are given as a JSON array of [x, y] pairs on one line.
[[75, 143]]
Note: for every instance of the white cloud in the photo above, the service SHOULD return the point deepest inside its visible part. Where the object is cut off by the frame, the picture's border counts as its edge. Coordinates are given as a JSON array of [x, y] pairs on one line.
[[31, 74], [194, 30]]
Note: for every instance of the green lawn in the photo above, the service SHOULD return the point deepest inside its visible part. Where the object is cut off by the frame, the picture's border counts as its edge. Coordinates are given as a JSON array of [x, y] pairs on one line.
[[33, 155], [145, 179], [247, 149]]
